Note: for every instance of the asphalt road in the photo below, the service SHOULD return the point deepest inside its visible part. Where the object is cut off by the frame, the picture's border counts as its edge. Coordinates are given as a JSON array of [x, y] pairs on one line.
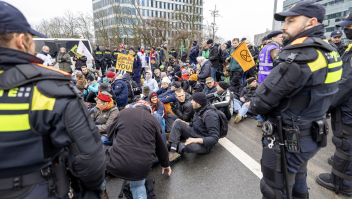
[[221, 175]]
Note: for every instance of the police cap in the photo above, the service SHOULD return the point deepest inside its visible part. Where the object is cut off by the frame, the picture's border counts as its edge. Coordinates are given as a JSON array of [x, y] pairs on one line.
[[115, 47], [336, 33], [107, 46], [265, 38], [306, 8], [13, 21], [346, 22], [273, 34]]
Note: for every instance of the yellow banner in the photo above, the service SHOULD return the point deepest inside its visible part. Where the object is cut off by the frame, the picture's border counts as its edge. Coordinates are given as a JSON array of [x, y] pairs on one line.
[[74, 49], [124, 62], [243, 57]]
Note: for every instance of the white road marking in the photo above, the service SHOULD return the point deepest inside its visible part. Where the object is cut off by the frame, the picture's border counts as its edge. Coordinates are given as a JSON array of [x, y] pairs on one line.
[[249, 162]]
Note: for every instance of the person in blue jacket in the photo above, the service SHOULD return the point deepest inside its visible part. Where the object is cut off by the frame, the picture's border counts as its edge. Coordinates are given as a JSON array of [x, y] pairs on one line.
[[165, 88], [137, 65], [91, 90], [156, 104], [120, 89], [193, 54], [170, 97], [150, 82]]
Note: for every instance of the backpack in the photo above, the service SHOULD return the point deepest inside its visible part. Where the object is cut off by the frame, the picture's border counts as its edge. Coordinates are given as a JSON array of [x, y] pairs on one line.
[[223, 121]]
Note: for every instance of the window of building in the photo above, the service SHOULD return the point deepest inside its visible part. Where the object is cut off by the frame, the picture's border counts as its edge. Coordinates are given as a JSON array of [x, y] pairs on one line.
[[151, 3], [148, 13], [165, 5], [156, 13], [161, 5], [143, 3], [168, 6], [156, 4], [147, 3]]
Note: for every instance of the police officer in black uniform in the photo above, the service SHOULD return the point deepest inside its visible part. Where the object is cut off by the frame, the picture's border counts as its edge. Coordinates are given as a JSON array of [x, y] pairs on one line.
[[98, 58], [335, 41], [107, 59], [340, 179], [173, 52], [115, 54], [44, 125], [158, 48], [264, 40], [297, 94]]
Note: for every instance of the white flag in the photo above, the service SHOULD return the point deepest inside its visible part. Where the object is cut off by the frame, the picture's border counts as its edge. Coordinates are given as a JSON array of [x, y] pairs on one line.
[[83, 50]]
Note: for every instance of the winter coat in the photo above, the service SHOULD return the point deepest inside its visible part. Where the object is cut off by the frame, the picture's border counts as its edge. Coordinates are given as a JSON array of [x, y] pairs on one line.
[[124, 52], [137, 65], [142, 58], [194, 87], [234, 65], [193, 54], [107, 55], [80, 61], [106, 117], [64, 61], [163, 92], [247, 93], [236, 87], [45, 57], [184, 110], [89, 73], [164, 55], [205, 71], [204, 53], [185, 76], [208, 130], [137, 144], [184, 56], [115, 55], [222, 100], [94, 88], [168, 98], [214, 55], [120, 89], [157, 79], [225, 55], [98, 55], [254, 52], [152, 84], [157, 58], [160, 110], [208, 90]]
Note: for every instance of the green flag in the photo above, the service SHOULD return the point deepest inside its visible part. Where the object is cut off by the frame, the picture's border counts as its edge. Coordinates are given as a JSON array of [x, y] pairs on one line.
[[182, 49]]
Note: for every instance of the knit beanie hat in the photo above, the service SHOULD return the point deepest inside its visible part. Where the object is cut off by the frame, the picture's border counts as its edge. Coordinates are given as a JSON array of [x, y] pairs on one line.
[[110, 75], [210, 41], [146, 90], [162, 66], [151, 95], [193, 77], [200, 98], [166, 80], [176, 84], [103, 96], [224, 85], [250, 80], [184, 71]]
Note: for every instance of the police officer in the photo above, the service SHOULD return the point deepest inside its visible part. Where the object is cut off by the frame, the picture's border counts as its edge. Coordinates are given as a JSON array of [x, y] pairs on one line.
[[267, 54], [335, 41], [44, 125], [158, 49], [107, 59], [123, 51], [173, 52], [340, 180], [115, 54], [264, 40], [98, 58], [300, 90]]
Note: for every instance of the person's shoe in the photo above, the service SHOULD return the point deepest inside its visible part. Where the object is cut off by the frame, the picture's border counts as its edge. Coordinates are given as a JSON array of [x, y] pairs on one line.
[[174, 157], [260, 124], [167, 135], [331, 160], [238, 119], [168, 145], [324, 180]]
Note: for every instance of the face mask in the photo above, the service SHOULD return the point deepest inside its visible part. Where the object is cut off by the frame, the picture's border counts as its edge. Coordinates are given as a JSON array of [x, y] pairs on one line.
[[348, 33]]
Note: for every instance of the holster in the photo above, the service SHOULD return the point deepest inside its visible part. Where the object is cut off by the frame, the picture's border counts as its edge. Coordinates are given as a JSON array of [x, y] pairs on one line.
[[320, 130], [59, 182]]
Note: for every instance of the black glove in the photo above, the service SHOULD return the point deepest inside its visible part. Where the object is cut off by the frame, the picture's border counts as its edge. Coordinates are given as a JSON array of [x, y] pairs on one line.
[[63, 59]]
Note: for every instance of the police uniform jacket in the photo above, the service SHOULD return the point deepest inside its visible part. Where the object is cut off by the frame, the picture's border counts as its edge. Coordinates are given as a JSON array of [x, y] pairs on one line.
[[41, 113], [98, 55], [107, 55]]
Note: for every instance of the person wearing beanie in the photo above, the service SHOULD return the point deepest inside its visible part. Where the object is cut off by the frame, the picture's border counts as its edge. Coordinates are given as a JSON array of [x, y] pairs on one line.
[[150, 82], [185, 75], [222, 99], [120, 89], [241, 106], [178, 76], [193, 85], [236, 88], [91, 89], [162, 68], [105, 87], [105, 111], [169, 97], [165, 89], [200, 138], [193, 54], [157, 105], [215, 55], [228, 46]]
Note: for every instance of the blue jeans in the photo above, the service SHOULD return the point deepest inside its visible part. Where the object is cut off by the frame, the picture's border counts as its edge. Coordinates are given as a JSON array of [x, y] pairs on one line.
[[242, 109], [162, 123], [138, 189], [213, 73]]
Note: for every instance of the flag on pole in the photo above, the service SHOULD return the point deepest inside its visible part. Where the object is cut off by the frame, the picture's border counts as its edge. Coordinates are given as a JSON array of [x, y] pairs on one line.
[[121, 46], [83, 50], [182, 48], [73, 50], [243, 56]]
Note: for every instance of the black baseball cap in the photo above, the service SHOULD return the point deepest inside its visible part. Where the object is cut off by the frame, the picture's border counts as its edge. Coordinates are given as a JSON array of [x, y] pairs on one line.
[[13, 21], [306, 8], [273, 34], [336, 33], [346, 22]]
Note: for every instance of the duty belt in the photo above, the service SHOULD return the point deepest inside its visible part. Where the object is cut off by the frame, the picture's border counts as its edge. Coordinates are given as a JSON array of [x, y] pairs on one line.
[[22, 181]]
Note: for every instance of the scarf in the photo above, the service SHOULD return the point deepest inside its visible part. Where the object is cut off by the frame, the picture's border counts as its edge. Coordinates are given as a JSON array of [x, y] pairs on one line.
[[44, 53], [273, 42], [108, 106], [152, 55]]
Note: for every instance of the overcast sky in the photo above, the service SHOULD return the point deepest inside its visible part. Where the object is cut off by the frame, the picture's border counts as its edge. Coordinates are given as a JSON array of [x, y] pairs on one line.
[[239, 18]]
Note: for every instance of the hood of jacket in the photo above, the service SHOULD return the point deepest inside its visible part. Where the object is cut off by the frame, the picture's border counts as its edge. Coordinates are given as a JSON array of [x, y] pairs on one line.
[[127, 76]]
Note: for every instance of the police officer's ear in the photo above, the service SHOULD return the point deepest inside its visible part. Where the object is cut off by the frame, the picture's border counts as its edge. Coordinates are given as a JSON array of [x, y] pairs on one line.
[[311, 22]]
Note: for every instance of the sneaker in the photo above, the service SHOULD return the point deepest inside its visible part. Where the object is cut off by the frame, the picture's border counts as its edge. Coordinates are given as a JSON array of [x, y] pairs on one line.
[[324, 180], [238, 119], [260, 124], [174, 157], [331, 160]]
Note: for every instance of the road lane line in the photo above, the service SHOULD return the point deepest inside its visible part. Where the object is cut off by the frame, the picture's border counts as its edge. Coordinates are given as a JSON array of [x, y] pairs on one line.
[[249, 162]]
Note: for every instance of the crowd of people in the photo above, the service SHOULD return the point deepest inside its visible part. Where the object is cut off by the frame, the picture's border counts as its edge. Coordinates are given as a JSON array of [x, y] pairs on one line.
[[120, 122]]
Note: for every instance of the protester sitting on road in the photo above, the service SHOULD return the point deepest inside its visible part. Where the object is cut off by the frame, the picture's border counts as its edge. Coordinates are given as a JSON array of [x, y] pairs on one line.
[[137, 144], [157, 76], [120, 89], [105, 87], [91, 90], [185, 74], [236, 87], [165, 88], [162, 68], [156, 104], [193, 85], [242, 106], [170, 97], [64, 60], [133, 89], [105, 112], [170, 70], [205, 69], [183, 108], [87, 72], [226, 74], [211, 86], [80, 81], [201, 137], [150, 82], [45, 56], [145, 93], [222, 99]]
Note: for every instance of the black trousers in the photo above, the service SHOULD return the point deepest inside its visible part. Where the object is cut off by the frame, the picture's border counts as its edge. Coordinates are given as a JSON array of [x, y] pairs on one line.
[[169, 121], [99, 65], [90, 97], [181, 129], [235, 73], [226, 111]]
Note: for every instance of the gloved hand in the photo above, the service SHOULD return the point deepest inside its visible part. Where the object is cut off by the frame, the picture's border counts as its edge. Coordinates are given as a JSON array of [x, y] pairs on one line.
[[63, 59]]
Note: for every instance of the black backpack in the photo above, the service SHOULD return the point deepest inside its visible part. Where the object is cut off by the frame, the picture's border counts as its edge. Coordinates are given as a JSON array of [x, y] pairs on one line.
[[223, 122]]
